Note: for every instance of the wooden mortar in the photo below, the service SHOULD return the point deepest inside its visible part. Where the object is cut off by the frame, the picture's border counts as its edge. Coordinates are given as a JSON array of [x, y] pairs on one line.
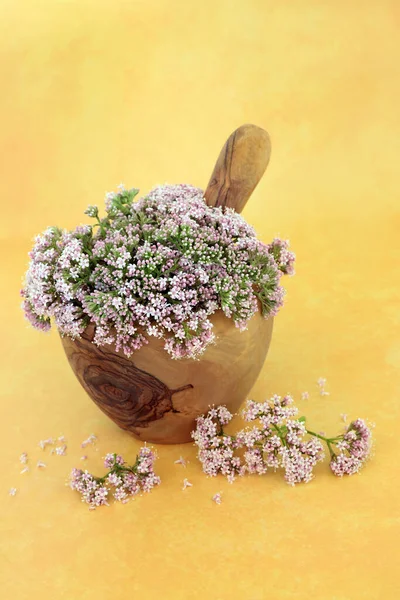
[[154, 397]]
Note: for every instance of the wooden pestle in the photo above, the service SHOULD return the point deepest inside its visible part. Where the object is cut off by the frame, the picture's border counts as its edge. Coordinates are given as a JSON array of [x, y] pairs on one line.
[[239, 168]]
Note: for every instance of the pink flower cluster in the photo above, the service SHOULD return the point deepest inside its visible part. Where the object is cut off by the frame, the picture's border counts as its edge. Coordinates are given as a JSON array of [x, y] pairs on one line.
[[354, 449], [283, 443], [157, 267], [216, 449], [126, 481], [279, 441]]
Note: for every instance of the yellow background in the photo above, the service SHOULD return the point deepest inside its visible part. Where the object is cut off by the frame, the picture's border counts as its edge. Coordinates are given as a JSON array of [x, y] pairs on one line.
[[94, 93]]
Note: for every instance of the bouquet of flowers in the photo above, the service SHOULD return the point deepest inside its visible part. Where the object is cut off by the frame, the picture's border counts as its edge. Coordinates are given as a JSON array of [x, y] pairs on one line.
[[159, 267]]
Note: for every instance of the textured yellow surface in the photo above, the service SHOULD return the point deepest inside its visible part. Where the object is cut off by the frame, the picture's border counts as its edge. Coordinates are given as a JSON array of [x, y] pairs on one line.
[[94, 93]]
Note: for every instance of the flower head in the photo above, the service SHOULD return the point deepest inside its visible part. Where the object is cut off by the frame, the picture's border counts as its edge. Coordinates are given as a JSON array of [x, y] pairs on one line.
[[354, 449], [216, 450], [92, 491], [113, 459], [92, 211]]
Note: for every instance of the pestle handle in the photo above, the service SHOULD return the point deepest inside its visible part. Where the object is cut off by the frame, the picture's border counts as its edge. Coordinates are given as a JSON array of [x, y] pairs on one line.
[[239, 168]]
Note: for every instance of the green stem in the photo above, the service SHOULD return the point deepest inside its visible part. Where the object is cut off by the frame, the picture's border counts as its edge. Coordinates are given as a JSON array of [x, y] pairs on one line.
[[321, 437], [118, 469], [331, 452], [281, 435], [329, 441]]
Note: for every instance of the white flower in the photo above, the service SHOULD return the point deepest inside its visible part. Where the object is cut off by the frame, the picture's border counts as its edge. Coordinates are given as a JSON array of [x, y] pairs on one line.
[[44, 443]]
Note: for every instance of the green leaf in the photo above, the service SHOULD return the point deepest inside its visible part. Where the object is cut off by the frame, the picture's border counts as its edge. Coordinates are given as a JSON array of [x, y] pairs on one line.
[[302, 420]]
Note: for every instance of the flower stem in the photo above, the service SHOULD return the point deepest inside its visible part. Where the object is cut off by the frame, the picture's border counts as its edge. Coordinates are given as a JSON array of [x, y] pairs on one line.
[[328, 441], [118, 469], [280, 433], [321, 437], [331, 452]]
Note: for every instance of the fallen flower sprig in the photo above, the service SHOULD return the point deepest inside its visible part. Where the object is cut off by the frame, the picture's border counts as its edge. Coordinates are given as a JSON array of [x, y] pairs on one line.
[[125, 480], [278, 442]]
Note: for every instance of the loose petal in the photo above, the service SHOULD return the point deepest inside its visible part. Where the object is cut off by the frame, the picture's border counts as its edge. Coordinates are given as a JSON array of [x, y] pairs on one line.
[[90, 440], [48, 442]]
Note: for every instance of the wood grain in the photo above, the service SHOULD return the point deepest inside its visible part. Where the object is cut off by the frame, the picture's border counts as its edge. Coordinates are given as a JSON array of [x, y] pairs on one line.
[[240, 166], [158, 399]]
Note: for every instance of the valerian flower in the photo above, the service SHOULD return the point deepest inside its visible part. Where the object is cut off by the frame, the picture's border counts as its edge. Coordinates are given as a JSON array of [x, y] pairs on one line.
[[158, 267], [354, 449], [279, 440], [216, 450], [122, 480]]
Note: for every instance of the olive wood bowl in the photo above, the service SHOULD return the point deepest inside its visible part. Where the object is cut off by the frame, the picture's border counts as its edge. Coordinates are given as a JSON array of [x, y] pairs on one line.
[[154, 397]]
